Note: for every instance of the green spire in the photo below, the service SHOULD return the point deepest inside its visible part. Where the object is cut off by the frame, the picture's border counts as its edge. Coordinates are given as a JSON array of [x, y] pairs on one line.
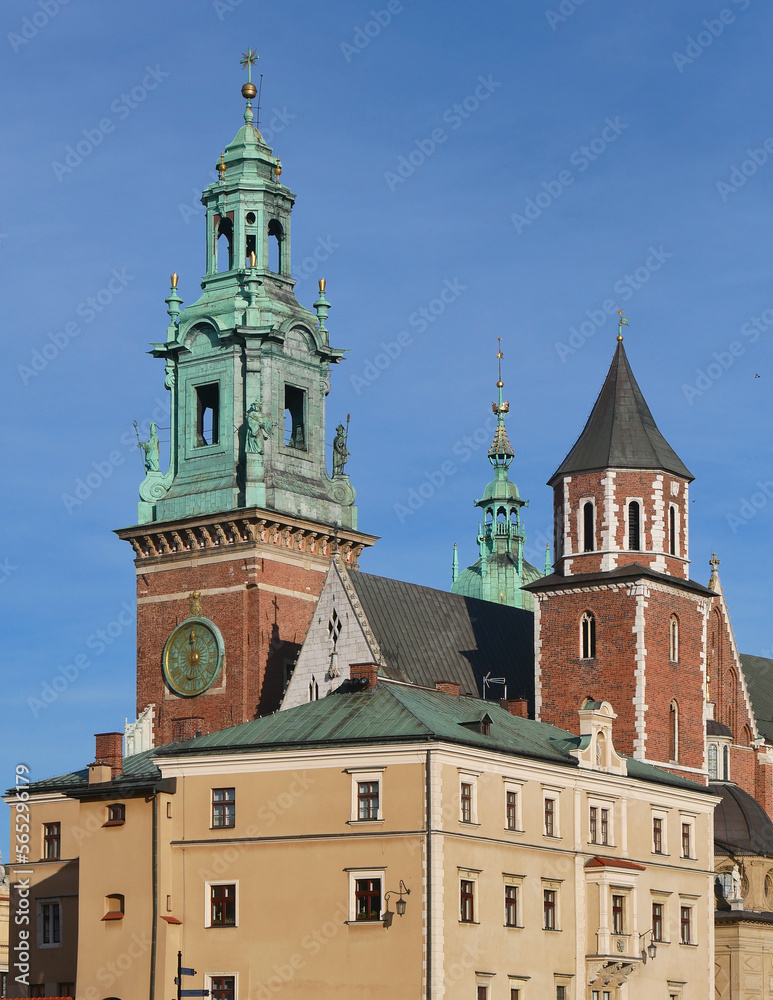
[[500, 453]]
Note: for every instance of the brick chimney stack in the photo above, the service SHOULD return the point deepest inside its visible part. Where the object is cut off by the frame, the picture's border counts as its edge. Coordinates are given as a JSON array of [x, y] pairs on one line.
[[516, 706], [448, 687], [110, 752], [364, 671]]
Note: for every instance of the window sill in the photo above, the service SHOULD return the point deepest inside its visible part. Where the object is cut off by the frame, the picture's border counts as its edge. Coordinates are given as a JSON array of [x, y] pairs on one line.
[[113, 915], [553, 930], [552, 836], [689, 944], [470, 923], [514, 927], [364, 822], [468, 822], [221, 927], [114, 822], [365, 923], [214, 828], [660, 854]]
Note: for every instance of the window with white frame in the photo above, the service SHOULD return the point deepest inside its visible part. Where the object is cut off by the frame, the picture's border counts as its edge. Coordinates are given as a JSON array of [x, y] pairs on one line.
[[513, 805], [551, 916], [588, 519], [468, 895], [687, 836], [366, 895], [367, 795], [659, 832], [686, 922], [513, 896], [550, 812], [468, 796], [588, 636], [483, 985], [49, 923], [659, 917], [673, 639], [221, 904], [600, 822], [634, 519], [713, 761], [222, 987]]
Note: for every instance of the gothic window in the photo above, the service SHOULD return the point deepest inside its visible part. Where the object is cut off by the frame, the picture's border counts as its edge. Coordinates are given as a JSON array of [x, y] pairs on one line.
[[672, 530], [634, 526], [334, 627], [295, 417], [673, 731], [726, 762], [587, 527], [673, 639], [207, 414], [713, 761], [225, 245], [275, 246], [588, 636]]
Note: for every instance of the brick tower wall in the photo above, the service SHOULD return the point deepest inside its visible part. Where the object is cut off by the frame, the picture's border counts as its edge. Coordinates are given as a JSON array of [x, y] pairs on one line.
[[609, 491]]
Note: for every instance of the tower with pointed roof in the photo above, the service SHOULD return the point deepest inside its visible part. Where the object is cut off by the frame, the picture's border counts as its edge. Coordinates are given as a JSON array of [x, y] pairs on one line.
[[236, 535], [500, 571], [619, 618]]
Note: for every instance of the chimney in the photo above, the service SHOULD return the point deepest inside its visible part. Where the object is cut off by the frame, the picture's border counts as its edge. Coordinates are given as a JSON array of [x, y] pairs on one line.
[[110, 752], [448, 687], [99, 774], [516, 706], [364, 671]]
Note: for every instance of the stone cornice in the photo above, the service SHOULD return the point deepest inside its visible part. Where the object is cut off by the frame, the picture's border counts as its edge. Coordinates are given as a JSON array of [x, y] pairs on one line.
[[242, 530]]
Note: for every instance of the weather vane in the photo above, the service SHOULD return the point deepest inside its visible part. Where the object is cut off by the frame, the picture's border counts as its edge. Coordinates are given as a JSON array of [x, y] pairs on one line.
[[620, 324]]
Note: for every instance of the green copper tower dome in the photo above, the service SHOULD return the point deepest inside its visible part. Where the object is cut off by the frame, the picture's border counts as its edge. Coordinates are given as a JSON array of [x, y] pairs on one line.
[[500, 571], [247, 366]]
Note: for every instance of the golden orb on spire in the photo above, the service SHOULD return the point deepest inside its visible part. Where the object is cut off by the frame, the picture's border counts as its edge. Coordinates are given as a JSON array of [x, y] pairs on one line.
[[220, 166], [249, 90]]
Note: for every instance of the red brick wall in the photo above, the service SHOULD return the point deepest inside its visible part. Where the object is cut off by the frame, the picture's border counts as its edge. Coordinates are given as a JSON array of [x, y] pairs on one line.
[[567, 679], [261, 630], [627, 486]]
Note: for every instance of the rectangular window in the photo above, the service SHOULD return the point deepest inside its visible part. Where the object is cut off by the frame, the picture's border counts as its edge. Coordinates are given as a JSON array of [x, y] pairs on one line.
[[512, 810], [467, 901], [515, 993], [511, 906], [222, 905], [685, 924], [657, 835], [550, 817], [295, 417], [52, 841], [116, 814], [50, 923], [560, 993], [367, 899], [222, 987], [483, 993], [466, 799], [657, 921], [618, 910], [605, 826], [593, 825], [367, 799], [223, 807], [549, 909], [207, 414], [686, 840]]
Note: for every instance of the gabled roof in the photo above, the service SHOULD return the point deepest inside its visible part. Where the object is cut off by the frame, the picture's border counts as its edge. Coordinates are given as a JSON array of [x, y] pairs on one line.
[[758, 671], [621, 432], [428, 635]]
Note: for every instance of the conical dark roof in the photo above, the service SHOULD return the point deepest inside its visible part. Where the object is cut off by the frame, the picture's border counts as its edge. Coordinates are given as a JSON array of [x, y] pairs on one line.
[[621, 432]]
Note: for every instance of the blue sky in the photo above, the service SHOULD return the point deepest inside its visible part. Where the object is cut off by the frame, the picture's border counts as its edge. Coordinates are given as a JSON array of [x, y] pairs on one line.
[[536, 160]]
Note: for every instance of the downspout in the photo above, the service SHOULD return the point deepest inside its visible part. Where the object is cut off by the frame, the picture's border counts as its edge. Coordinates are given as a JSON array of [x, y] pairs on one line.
[[428, 782], [154, 933]]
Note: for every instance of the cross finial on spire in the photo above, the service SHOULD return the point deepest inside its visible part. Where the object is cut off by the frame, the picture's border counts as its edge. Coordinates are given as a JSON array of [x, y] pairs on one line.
[[714, 563], [620, 324], [248, 60]]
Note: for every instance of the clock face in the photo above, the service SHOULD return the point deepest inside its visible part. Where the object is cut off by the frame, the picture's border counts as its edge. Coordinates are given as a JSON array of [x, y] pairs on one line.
[[193, 656]]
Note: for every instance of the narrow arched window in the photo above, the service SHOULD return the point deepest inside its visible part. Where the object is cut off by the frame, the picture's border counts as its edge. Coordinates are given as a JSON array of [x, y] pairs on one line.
[[587, 527], [673, 731], [726, 762], [275, 238], [588, 636], [673, 639], [225, 245], [672, 530], [713, 762], [634, 530]]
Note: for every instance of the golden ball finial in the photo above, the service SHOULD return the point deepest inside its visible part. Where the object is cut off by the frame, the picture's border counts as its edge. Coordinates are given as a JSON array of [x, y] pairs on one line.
[[249, 90], [619, 338], [278, 169], [220, 166], [500, 384]]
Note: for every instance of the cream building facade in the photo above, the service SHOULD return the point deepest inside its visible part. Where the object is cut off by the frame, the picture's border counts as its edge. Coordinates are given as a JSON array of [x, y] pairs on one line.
[[386, 841]]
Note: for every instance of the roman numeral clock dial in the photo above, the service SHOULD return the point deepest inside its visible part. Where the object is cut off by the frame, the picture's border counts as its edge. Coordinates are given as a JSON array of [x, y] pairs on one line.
[[193, 656]]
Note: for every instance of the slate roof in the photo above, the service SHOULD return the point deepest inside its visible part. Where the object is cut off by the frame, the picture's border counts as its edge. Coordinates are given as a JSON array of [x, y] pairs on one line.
[[428, 635], [395, 713], [714, 728], [621, 432], [741, 825], [758, 671], [627, 572]]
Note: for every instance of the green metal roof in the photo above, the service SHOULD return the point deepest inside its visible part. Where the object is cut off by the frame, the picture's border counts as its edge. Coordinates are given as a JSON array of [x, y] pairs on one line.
[[758, 671], [136, 768]]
